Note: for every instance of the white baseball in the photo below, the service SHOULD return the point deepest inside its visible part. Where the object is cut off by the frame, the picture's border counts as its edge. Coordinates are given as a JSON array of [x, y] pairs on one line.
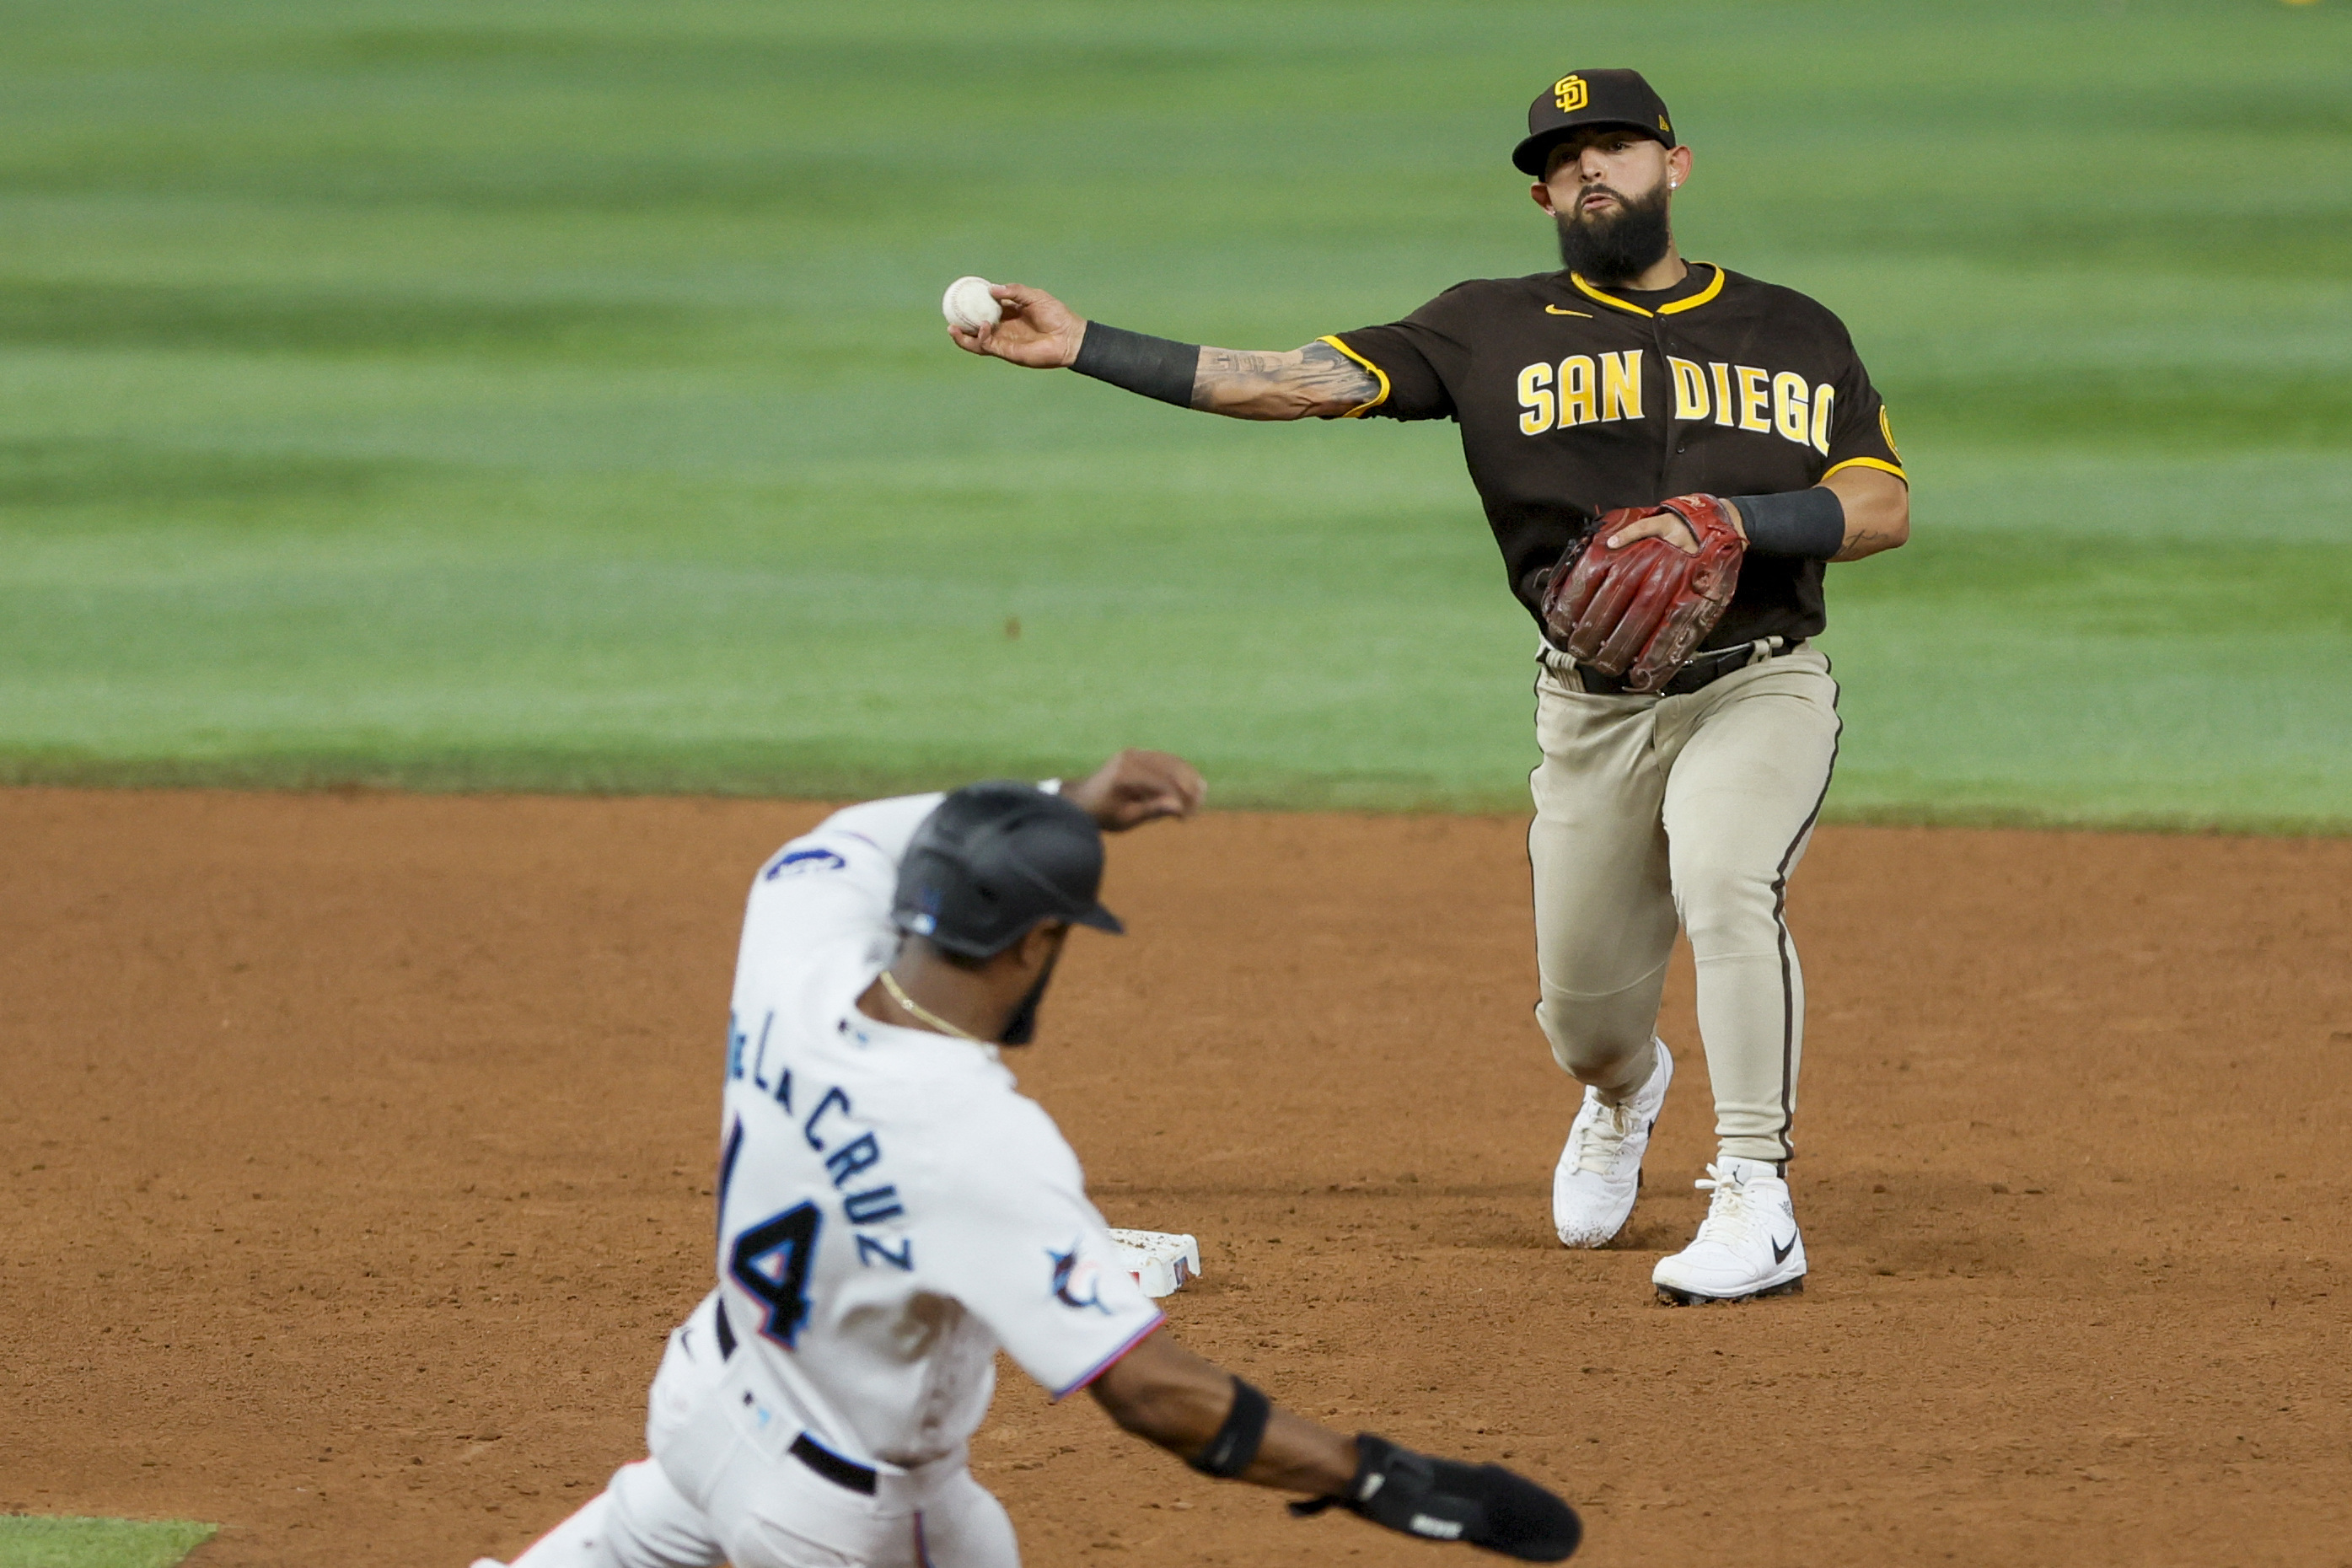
[[970, 305]]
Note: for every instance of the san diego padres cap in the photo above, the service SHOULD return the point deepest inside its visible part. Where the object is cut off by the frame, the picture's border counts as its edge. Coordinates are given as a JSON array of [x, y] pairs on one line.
[[1591, 97], [992, 861]]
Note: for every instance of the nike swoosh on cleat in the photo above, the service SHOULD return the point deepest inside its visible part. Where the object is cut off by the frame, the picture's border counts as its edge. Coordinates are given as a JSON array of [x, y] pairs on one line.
[[1781, 1253], [1555, 310]]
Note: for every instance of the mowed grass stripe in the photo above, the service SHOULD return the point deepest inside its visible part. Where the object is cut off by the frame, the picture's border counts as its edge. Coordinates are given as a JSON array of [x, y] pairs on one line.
[[491, 397]]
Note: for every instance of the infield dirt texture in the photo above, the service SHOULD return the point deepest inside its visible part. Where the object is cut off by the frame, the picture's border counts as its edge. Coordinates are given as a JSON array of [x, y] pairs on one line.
[[482, 394], [359, 1154]]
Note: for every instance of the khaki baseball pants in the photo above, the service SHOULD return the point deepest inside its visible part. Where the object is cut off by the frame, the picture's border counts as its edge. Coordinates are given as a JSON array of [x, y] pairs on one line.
[[1652, 812]]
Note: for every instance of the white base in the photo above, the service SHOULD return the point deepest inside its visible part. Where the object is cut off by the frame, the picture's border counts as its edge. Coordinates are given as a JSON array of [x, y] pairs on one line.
[[1160, 1262]]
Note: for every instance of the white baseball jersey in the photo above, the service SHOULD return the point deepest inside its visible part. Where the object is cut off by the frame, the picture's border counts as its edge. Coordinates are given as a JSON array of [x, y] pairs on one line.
[[891, 1210]]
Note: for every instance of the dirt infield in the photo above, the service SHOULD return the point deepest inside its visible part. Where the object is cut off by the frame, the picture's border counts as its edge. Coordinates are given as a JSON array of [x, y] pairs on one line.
[[358, 1153]]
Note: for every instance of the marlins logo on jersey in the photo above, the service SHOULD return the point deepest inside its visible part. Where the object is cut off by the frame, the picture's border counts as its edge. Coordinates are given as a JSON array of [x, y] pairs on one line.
[[1078, 1279]]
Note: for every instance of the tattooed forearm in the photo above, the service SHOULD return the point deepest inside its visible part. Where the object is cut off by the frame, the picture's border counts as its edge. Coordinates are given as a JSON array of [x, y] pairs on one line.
[[1317, 380], [1861, 542], [1877, 510], [1333, 376], [1240, 362]]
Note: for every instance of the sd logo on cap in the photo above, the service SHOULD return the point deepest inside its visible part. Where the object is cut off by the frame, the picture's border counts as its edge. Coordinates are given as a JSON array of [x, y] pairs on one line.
[[1591, 97]]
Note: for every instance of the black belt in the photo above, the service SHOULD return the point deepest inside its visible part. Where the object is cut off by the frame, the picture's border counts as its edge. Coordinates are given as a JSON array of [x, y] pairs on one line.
[[1703, 670], [841, 1472]]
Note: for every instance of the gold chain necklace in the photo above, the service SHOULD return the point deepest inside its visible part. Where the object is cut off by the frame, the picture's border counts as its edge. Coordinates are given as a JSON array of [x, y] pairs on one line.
[[907, 1002]]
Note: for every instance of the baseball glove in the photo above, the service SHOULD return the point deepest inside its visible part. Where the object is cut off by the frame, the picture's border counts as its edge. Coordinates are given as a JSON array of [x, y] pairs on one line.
[[1446, 1499], [1641, 611]]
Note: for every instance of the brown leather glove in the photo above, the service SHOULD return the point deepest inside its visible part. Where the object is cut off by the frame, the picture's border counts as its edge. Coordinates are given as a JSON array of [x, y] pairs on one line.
[[1642, 611]]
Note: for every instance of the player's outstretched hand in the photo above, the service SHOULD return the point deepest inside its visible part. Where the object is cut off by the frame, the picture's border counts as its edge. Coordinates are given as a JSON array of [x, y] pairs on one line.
[[1446, 1499], [1037, 330], [1136, 787]]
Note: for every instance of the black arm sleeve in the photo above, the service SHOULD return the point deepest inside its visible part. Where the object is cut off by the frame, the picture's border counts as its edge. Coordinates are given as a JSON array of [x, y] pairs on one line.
[[1156, 368], [1807, 524]]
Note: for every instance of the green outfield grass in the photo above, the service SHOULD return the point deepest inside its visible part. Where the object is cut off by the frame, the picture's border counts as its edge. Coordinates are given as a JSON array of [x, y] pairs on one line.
[[29, 1541], [511, 396]]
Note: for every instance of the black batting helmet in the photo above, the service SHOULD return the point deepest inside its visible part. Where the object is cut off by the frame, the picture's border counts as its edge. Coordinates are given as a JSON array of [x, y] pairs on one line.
[[993, 861]]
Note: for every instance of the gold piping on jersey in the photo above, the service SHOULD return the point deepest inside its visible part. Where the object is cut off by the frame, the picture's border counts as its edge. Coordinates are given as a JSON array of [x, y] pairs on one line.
[[1577, 278], [1693, 303], [1362, 408], [1880, 463], [1701, 298]]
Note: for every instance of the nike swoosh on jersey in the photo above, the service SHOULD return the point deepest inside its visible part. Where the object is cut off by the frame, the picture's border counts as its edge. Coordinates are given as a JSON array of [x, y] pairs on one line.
[[1555, 310], [1781, 1253]]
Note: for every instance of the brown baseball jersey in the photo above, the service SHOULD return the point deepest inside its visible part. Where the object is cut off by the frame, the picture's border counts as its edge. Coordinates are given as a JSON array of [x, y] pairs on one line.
[[1574, 399]]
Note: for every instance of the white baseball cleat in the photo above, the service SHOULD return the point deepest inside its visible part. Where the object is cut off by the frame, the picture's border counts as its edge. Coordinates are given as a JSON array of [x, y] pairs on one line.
[[1746, 1247], [1600, 1171], [487, 1562]]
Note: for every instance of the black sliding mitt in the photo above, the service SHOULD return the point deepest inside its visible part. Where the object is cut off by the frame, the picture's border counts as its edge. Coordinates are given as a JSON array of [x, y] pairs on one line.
[[1446, 1499]]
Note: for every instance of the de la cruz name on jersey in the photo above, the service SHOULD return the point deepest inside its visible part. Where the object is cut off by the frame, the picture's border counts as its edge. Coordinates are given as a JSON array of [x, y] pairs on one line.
[[849, 1151], [1574, 399], [891, 1211]]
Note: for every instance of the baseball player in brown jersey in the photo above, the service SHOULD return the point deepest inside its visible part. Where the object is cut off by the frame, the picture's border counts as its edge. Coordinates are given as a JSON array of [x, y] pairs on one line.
[[1713, 407]]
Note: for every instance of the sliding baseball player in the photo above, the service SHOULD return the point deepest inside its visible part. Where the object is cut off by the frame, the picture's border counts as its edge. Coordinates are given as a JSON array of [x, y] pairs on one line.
[[892, 1212]]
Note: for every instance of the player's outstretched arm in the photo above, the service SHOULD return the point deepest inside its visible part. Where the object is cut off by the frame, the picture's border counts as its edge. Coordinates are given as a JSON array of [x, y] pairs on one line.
[[1166, 1395], [1137, 786], [1316, 381], [1222, 1427]]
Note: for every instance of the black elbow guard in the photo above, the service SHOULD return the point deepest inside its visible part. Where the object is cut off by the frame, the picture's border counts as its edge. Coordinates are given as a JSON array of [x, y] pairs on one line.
[[1156, 368], [1229, 1453]]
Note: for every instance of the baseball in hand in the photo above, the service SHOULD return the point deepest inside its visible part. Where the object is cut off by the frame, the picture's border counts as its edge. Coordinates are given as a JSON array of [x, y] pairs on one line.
[[970, 305]]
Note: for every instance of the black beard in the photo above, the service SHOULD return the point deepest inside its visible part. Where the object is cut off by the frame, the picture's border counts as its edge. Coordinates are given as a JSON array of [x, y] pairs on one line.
[[1021, 1028], [1620, 246]]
